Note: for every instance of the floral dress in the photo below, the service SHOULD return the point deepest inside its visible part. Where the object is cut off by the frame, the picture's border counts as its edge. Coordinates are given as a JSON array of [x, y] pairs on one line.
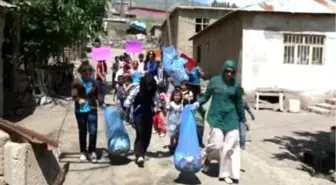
[[174, 118]]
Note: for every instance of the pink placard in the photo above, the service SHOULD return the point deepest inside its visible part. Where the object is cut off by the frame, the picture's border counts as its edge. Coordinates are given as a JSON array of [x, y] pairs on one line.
[[133, 46], [102, 53]]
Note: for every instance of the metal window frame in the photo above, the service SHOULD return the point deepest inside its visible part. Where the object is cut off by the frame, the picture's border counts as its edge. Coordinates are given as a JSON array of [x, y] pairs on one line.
[[310, 45]]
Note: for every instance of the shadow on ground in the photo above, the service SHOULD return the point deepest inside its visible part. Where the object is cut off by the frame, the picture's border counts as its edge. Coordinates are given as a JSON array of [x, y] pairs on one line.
[[312, 148], [47, 162]]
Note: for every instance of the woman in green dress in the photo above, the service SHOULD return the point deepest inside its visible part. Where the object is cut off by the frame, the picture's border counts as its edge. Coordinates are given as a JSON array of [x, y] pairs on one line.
[[225, 113]]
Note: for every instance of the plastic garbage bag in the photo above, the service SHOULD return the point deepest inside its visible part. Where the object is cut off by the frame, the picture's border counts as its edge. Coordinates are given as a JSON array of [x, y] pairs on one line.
[[118, 140], [174, 65], [187, 157], [178, 72], [168, 56]]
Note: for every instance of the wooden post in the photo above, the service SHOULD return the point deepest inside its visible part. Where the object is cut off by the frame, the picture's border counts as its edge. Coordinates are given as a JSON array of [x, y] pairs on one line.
[[168, 25]]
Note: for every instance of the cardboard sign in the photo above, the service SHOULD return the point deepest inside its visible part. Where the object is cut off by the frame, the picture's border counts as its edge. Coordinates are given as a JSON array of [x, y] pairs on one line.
[[133, 46], [102, 53], [191, 63]]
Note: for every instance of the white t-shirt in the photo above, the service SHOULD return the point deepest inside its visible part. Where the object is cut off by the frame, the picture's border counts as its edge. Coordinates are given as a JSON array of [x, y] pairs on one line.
[[119, 72]]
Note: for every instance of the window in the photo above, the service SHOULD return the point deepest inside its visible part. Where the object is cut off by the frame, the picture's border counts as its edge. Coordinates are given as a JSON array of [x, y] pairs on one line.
[[200, 24], [303, 49], [198, 54]]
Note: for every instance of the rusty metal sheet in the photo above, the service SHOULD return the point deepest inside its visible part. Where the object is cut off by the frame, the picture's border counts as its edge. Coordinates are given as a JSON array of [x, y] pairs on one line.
[[6, 5], [27, 134]]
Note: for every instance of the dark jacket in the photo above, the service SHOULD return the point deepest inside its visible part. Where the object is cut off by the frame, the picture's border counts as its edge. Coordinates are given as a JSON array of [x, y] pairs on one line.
[[78, 92], [226, 108]]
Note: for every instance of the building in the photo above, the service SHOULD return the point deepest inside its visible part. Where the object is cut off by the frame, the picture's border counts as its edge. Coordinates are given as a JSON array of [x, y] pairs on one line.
[[185, 21], [155, 31], [283, 44]]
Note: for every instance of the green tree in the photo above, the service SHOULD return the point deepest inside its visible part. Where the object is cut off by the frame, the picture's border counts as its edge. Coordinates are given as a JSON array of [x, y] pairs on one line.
[[49, 25], [224, 4]]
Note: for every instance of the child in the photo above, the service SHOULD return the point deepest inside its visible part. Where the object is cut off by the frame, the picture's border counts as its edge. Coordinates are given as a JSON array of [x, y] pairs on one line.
[[200, 118], [242, 126], [159, 117], [127, 88], [174, 109], [187, 94], [120, 92], [136, 73], [170, 87]]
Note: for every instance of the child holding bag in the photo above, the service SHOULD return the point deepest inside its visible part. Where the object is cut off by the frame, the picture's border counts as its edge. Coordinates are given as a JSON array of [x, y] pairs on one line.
[[174, 109]]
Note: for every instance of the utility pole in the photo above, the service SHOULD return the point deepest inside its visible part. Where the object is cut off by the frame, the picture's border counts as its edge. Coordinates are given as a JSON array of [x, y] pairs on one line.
[[168, 24], [122, 8]]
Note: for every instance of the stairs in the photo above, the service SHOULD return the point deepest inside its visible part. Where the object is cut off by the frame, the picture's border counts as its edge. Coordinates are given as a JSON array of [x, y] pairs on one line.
[[326, 108]]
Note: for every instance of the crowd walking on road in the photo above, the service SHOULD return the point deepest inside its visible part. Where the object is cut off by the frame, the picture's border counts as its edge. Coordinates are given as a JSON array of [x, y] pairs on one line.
[[152, 103]]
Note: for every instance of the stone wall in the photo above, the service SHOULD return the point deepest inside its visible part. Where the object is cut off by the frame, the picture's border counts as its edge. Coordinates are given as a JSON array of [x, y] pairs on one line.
[[25, 164]]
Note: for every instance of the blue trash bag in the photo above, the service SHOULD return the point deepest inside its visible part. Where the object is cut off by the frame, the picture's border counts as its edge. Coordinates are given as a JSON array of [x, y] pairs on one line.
[[178, 72], [168, 56], [187, 157], [118, 141]]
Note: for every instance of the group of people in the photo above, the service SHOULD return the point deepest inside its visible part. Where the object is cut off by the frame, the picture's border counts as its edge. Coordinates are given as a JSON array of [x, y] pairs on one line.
[[147, 97]]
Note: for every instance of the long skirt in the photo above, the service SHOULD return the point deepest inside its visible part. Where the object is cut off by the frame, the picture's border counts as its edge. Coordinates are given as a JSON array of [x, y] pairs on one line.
[[223, 146]]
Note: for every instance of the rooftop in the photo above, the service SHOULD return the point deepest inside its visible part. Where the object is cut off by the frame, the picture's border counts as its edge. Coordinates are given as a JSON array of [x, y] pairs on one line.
[[281, 6]]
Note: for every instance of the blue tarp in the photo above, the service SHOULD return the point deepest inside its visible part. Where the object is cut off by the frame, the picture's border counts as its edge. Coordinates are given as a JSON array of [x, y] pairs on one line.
[[141, 26], [187, 157], [118, 140]]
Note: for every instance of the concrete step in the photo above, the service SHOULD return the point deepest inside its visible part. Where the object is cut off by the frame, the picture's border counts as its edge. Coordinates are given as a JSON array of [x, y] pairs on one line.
[[331, 101], [318, 110], [326, 106]]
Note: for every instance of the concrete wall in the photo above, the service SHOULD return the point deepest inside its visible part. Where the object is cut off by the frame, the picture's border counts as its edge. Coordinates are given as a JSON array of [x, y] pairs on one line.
[[25, 164], [264, 53], [183, 26], [218, 44]]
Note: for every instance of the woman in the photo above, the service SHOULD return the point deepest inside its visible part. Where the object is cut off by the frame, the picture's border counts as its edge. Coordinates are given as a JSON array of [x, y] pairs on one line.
[[141, 98], [226, 111], [85, 94], [151, 64]]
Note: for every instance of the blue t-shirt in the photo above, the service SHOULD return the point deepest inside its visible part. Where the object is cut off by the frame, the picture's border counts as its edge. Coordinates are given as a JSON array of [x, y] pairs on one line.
[[136, 76], [194, 76], [88, 85]]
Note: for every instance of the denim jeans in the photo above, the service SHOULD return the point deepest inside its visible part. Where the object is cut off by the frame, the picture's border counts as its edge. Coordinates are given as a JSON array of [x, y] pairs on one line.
[[242, 134], [87, 122], [102, 91]]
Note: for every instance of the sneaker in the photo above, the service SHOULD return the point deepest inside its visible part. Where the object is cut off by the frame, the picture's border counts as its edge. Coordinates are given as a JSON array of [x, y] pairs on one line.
[[82, 157], [140, 161], [162, 135], [228, 180], [93, 157], [242, 147], [154, 132]]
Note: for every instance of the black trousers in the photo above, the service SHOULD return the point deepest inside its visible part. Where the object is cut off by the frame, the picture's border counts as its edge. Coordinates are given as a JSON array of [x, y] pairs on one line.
[[143, 124], [87, 122]]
